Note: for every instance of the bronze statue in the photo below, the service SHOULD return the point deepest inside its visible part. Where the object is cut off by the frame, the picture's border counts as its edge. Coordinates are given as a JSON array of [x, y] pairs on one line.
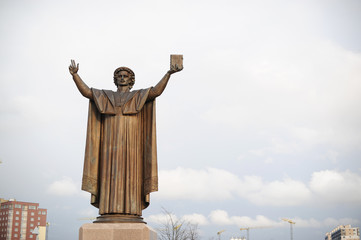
[[120, 166]]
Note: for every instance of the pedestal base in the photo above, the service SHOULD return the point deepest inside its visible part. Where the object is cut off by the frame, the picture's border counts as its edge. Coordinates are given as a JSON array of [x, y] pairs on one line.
[[119, 218], [116, 231]]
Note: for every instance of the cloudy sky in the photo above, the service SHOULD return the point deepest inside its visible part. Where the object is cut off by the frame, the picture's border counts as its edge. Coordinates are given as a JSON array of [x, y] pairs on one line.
[[263, 123]]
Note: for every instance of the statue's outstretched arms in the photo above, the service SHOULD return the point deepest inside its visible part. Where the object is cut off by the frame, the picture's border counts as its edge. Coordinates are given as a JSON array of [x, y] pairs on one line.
[[83, 88], [158, 89]]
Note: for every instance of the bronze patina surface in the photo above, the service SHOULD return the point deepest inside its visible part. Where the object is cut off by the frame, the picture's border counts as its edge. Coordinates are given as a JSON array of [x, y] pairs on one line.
[[120, 165]]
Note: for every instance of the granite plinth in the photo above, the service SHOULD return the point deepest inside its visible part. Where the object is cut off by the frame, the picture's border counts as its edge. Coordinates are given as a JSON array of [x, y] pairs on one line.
[[116, 231]]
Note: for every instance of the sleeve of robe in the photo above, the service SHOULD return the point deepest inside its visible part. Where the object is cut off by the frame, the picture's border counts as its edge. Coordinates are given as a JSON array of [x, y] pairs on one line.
[[104, 103]]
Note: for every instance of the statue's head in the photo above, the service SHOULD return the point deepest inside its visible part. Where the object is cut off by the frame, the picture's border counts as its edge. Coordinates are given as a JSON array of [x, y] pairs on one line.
[[124, 76]]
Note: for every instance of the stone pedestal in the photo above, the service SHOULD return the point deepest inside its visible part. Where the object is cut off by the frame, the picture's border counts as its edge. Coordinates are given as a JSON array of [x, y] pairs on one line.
[[116, 231]]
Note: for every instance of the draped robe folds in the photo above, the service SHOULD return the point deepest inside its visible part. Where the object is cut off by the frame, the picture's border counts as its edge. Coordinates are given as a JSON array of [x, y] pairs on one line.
[[120, 166]]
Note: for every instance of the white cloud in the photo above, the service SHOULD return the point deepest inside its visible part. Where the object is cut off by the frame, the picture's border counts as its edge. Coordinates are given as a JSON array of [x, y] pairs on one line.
[[328, 222], [332, 155], [276, 146], [214, 184], [26, 111], [161, 218], [221, 217], [286, 91], [269, 160], [331, 222], [64, 187], [185, 183], [336, 187], [193, 218], [196, 218], [311, 135], [286, 192]]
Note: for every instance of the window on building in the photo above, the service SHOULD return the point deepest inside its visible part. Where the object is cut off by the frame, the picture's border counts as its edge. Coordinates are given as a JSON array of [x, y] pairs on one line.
[[15, 235], [31, 236], [38, 218], [17, 205], [32, 207], [32, 214], [16, 218], [16, 229], [17, 212], [16, 224], [32, 219], [44, 213]]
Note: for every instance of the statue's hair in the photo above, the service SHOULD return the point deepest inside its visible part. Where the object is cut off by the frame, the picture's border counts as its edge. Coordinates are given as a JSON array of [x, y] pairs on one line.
[[132, 75]]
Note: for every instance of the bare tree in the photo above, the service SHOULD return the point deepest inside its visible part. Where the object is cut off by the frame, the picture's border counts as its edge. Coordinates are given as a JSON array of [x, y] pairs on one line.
[[193, 233], [177, 229]]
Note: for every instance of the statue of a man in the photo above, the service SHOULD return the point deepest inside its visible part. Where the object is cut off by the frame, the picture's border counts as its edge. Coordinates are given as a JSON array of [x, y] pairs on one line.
[[120, 166]]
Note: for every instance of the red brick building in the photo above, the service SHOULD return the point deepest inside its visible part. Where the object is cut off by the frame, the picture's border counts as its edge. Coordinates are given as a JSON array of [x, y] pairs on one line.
[[18, 219]]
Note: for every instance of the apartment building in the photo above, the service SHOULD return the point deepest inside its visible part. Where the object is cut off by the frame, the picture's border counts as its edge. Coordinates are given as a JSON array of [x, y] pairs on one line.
[[19, 219], [343, 232]]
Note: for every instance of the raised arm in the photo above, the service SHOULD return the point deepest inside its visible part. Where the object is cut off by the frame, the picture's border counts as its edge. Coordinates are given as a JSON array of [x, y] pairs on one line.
[[159, 88], [83, 88]]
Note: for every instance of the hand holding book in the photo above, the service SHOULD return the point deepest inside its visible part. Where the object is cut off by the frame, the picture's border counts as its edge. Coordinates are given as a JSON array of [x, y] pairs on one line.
[[176, 63]]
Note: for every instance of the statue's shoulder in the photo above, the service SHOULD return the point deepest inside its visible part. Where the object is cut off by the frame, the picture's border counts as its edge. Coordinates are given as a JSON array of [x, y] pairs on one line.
[[102, 91], [142, 90]]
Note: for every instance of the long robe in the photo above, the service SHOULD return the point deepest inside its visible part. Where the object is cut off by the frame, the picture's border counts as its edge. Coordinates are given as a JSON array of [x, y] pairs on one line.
[[120, 166]]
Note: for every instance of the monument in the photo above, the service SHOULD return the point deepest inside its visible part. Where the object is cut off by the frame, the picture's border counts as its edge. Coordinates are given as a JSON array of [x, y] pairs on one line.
[[120, 164]]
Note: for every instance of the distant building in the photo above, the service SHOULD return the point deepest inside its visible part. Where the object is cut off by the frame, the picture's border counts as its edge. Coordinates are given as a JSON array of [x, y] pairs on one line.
[[343, 232], [328, 236], [19, 219]]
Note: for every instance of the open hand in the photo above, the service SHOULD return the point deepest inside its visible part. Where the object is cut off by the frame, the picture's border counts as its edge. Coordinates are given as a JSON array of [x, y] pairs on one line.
[[73, 68]]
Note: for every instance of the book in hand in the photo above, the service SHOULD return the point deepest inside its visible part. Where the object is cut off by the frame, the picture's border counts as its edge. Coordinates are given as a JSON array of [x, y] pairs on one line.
[[176, 62]]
